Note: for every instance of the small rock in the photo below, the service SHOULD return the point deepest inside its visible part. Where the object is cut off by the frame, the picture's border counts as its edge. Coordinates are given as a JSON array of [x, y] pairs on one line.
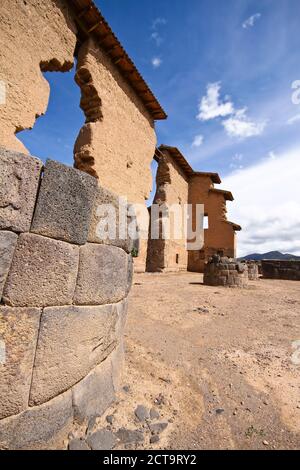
[[219, 411], [78, 444], [154, 414], [142, 413], [160, 400], [265, 443], [265, 402], [110, 419], [91, 424], [126, 436], [154, 439], [102, 440], [158, 428], [126, 388]]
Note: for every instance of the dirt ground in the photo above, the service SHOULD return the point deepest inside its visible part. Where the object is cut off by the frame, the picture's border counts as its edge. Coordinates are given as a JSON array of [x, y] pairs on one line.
[[221, 366]]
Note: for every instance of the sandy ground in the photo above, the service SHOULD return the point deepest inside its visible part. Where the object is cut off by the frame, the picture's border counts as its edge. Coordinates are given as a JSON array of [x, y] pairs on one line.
[[221, 366]]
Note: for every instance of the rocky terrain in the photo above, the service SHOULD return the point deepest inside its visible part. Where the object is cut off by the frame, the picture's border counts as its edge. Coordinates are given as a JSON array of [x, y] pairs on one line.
[[206, 368]]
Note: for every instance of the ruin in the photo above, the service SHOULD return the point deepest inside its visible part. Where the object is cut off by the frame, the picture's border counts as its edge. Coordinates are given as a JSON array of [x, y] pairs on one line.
[[61, 284], [281, 269], [178, 183], [226, 272]]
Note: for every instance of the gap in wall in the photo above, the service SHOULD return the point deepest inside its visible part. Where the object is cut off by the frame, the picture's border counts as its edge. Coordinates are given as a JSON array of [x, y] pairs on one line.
[[154, 166], [54, 134]]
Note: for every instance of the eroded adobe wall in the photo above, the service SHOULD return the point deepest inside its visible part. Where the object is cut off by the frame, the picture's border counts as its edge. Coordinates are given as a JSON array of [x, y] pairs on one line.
[[117, 142], [281, 269], [220, 236], [171, 188], [35, 36], [63, 294]]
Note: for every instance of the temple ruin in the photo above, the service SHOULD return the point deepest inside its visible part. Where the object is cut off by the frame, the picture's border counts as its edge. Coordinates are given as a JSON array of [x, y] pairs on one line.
[[178, 183]]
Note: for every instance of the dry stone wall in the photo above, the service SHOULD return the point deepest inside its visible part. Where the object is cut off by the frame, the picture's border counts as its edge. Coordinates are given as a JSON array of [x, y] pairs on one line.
[[63, 295], [281, 269], [223, 271]]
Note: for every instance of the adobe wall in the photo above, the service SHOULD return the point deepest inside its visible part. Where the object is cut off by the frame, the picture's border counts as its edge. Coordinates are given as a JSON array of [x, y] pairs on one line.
[[30, 44], [171, 188], [220, 236], [63, 294], [281, 269], [117, 142]]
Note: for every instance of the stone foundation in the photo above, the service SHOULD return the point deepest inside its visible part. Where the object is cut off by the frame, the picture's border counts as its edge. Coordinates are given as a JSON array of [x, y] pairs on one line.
[[63, 295], [281, 269], [253, 271], [223, 271]]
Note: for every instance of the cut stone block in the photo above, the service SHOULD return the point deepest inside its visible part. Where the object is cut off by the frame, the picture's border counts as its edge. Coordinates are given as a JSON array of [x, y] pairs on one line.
[[43, 272], [19, 181], [18, 337], [102, 276], [83, 338], [8, 241], [94, 394], [42, 427], [64, 205], [110, 216]]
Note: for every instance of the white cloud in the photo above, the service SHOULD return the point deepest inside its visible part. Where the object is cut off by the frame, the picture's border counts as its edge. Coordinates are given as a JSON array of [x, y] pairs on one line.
[[236, 162], [158, 22], [156, 62], [240, 125], [249, 23], [267, 204], [198, 141], [155, 36], [211, 107], [293, 119]]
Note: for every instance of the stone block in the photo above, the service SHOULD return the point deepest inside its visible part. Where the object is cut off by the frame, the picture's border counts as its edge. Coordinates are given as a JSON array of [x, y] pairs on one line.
[[43, 272], [102, 276], [64, 205], [108, 206], [94, 394], [19, 181], [18, 337], [83, 338], [8, 241], [118, 361], [42, 427]]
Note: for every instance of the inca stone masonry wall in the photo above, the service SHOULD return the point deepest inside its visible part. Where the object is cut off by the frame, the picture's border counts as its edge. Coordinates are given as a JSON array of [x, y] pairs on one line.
[[281, 269], [63, 295], [223, 271]]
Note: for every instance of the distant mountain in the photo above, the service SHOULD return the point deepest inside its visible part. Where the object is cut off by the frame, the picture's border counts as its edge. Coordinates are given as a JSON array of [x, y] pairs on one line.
[[269, 255]]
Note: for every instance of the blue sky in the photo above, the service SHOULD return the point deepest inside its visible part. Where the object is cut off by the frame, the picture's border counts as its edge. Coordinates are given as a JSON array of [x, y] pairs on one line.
[[223, 71]]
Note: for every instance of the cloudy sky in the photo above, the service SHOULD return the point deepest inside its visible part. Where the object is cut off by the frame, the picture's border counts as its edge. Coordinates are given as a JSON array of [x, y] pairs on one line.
[[224, 72]]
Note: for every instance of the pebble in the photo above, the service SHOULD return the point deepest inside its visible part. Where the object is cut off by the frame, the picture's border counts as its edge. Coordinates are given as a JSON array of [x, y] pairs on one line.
[[219, 411], [265, 443], [154, 414], [102, 440], [126, 388], [110, 419], [127, 436], [142, 413], [157, 428], [154, 439]]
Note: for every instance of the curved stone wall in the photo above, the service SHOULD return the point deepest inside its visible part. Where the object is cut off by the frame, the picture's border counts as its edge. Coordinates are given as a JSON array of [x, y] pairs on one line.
[[63, 305], [223, 271]]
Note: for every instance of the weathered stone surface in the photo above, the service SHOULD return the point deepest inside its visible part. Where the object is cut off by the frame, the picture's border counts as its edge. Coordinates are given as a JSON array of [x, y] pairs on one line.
[[43, 272], [142, 413], [64, 205], [19, 180], [109, 206], [78, 444], [42, 427], [8, 242], [94, 394], [127, 436], [83, 338], [154, 414], [158, 428], [102, 276], [18, 337], [102, 440], [117, 361]]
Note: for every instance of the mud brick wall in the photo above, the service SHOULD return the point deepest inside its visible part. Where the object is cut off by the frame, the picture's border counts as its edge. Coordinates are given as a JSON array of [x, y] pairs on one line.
[[281, 269], [63, 295], [222, 271]]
